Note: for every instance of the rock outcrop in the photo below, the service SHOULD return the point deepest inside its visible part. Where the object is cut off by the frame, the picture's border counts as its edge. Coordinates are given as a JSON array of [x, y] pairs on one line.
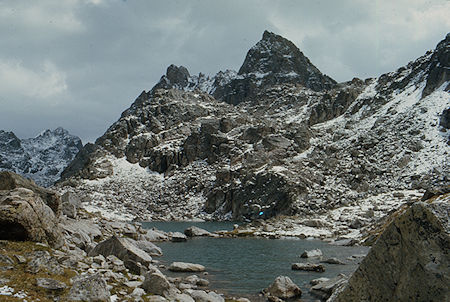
[[28, 212], [410, 260]]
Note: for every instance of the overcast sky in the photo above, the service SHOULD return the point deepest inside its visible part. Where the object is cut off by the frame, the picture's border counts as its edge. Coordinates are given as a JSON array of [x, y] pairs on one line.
[[79, 63]]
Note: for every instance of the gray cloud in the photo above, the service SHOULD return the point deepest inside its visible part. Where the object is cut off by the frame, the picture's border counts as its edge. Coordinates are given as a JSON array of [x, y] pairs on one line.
[[80, 63]]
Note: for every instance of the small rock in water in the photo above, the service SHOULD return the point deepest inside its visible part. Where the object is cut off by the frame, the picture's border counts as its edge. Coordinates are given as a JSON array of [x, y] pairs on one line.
[[194, 279], [194, 231], [311, 254], [309, 267], [186, 267], [178, 237], [318, 280], [332, 261]]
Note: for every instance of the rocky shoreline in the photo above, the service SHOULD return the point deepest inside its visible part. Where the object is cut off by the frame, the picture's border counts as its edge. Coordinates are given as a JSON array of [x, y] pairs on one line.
[[54, 250]]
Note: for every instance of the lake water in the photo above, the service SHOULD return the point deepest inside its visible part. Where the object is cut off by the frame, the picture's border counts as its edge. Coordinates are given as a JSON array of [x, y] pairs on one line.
[[244, 266]]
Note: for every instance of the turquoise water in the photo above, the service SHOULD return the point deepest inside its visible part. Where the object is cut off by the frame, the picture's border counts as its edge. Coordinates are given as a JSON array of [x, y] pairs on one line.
[[244, 266]]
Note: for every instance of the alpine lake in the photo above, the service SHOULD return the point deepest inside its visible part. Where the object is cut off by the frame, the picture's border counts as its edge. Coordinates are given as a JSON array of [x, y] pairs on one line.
[[244, 266]]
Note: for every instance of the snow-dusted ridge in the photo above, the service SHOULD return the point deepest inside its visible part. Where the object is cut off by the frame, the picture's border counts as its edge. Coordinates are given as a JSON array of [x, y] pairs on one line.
[[334, 155], [41, 158]]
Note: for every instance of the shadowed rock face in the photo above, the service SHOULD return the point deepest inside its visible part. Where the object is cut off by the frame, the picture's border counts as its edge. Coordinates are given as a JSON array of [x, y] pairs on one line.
[[410, 260], [439, 68]]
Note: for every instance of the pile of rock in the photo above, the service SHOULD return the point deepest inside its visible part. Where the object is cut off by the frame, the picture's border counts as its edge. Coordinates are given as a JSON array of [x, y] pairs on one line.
[[80, 256]]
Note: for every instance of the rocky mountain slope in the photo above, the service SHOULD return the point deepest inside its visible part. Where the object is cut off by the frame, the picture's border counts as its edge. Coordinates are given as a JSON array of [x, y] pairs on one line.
[[41, 158], [277, 137]]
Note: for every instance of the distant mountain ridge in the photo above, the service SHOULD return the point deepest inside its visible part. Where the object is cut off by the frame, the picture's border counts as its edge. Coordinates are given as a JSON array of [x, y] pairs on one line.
[[273, 138], [41, 158]]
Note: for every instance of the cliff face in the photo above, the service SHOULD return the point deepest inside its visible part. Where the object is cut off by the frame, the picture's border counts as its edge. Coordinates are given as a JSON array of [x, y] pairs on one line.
[[410, 261]]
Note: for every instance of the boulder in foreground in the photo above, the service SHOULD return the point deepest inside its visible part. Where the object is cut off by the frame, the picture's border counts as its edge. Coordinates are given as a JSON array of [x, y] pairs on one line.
[[410, 260], [26, 211]]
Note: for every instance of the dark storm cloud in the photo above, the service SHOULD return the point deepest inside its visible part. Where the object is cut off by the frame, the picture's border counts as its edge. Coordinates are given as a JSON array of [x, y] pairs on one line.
[[79, 64]]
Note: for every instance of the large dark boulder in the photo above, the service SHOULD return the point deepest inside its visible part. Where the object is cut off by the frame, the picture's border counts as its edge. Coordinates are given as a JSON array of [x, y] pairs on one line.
[[410, 260]]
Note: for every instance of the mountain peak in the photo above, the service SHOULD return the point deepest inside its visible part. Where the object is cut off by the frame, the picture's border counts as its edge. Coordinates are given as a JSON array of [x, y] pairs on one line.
[[276, 60], [175, 77]]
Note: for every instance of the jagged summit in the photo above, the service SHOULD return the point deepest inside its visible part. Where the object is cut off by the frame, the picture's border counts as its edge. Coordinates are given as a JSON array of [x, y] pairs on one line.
[[175, 77], [272, 61], [276, 60], [41, 158]]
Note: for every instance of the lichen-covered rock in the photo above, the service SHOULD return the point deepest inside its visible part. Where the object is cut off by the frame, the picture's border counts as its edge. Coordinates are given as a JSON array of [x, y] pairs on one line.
[[25, 216], [90, 289], [194, 231], [410, 260], [50, 284], [70, 204], [156, 283], [283, 288], [202, 296], [133, 257], [43, 261]]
